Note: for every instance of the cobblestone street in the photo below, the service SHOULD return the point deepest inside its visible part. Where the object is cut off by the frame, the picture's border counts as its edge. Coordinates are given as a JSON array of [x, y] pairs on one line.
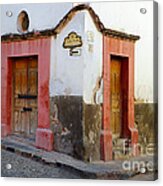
[[144, 177], [25, 167], [15, 165]]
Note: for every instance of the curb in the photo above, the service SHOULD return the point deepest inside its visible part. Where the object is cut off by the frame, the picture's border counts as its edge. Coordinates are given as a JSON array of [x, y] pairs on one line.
[[87, 170]]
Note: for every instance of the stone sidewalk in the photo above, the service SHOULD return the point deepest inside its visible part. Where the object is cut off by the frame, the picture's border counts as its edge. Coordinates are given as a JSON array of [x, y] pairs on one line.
[[112, 170]]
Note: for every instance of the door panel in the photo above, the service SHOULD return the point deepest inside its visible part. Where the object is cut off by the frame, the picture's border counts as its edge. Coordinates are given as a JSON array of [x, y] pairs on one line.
[[32, 90], [17, 120], [116, 97], [20, 88], [25, 85]]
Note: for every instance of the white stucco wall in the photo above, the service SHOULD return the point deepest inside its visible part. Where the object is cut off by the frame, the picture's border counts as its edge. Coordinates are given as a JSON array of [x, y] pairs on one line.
[[66, 72], [42, 15], [77, 75], [123, 16], [92, 61], [126, 16]]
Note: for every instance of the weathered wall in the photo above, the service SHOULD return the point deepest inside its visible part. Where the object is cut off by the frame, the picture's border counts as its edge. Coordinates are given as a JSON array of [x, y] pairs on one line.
[[146, 122], [92, 131], [66, 123], [66, 72], [66, 91], [37, 47], [21, 49], [76, 84], [119, 18], [123, 48], [92, 90], [76, 88]]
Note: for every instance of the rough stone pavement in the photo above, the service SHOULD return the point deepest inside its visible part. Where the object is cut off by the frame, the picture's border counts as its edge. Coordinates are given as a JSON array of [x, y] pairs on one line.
[[95, 170], [15, 165]]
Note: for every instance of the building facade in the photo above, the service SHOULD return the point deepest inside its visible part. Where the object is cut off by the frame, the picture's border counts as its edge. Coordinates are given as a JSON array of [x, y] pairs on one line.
[[71, 87]]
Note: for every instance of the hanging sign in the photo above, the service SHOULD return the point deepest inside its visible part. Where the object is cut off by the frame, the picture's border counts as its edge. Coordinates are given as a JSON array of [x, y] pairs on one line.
[[72, 41]]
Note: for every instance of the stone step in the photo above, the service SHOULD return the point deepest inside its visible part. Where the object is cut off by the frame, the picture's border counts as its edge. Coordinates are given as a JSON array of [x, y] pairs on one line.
[[120, 143], [121, 149]]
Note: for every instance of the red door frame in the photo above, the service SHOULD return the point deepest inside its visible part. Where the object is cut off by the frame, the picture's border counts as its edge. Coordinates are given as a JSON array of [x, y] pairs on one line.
[[123, 48], [40, 48]]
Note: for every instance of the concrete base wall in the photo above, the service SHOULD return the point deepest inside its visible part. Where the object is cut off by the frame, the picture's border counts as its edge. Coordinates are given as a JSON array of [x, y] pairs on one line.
[[77, 127], [66, 123], [146, 122], [92, 120]]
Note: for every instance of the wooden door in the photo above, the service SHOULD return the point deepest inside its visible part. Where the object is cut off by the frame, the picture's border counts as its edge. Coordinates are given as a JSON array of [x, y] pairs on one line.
[[25, 85], [116, 105]]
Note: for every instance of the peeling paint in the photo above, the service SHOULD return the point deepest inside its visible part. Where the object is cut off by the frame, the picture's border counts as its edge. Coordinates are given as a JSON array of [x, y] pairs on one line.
[[65, 131], [98, 91], [91, 137], [92, 63], [67, 91], [54, 116]]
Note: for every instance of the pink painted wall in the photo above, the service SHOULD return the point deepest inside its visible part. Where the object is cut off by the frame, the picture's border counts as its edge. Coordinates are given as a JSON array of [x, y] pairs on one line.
[[123, 48], [41, 48]]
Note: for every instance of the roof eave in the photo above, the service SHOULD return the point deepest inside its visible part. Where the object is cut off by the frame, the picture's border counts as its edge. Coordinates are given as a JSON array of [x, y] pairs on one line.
[[64, 21]]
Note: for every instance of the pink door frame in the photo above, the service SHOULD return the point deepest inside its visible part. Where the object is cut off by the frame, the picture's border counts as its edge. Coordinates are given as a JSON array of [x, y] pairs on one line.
[[40, 48], [122, 48]]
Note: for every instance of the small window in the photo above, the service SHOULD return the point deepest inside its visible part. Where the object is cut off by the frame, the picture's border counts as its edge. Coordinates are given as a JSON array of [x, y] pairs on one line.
[[23, 22]]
